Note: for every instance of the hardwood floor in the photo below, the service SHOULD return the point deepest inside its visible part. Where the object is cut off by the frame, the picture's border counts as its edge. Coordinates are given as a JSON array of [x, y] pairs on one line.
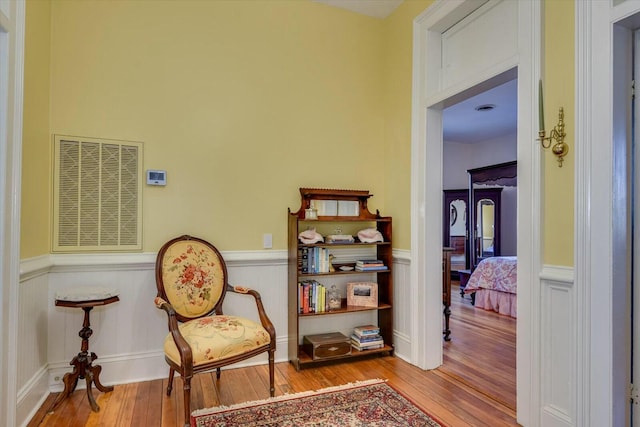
[[482, 352], [472, 388]]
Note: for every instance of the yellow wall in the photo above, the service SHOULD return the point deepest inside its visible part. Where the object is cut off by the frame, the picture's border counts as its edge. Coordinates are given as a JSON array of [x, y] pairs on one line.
[[36, 176], [559, 83], [242, 102], [398, 60]]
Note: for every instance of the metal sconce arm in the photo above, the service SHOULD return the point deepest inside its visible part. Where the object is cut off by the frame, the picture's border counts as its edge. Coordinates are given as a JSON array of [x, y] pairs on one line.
[[557, 134]]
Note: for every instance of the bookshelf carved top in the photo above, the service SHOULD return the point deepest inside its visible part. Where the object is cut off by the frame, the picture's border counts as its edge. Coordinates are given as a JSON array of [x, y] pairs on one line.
[[332, 204]]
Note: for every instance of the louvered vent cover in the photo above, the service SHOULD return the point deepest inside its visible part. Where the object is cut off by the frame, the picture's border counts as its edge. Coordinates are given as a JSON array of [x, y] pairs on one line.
[[97, 195]]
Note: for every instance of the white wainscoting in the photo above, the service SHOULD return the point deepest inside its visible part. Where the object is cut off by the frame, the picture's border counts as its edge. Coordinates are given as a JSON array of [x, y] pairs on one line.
[[558, 331], [33, 308], [401, 298], [128, 335]]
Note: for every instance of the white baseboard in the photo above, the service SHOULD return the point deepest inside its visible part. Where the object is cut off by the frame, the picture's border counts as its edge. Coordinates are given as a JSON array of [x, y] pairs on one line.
[[402, 343], [31, 397], [555, 417]]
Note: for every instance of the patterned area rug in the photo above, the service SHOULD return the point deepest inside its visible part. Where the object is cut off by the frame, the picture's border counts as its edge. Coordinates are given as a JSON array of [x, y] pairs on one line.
[[368, 403]]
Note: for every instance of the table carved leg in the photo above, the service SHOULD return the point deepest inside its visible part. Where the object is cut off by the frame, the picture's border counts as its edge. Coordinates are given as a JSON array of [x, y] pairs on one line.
[[83, 368], [447, 315]]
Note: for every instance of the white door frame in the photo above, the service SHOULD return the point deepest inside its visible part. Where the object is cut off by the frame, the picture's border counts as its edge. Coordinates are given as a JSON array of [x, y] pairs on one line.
[[426, 191], [12, 15], [602, 392], [635, 211]]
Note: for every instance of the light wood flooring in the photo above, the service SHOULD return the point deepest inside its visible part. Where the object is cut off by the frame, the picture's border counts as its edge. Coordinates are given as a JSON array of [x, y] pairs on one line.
[[474, 387]]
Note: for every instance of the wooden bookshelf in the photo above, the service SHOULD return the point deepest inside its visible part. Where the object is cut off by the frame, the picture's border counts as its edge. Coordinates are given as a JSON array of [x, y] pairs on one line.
[[355, 216]]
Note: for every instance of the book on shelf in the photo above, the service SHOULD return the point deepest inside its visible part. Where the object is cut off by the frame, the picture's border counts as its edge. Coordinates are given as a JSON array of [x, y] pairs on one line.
[[317, 260], [369, 262], [312, 297], [366, 338], [370, 265], [373, 347], [366, 343], [304, 260], [359, 344], [304, 298], [378, 268], [365, 330]]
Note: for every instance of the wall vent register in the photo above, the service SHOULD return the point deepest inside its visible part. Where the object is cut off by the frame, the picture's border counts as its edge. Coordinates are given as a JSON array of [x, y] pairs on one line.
[[97, 195]]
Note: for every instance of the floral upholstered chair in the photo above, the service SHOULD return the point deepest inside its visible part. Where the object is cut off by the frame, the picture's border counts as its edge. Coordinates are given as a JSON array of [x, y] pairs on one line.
[[191, 278]]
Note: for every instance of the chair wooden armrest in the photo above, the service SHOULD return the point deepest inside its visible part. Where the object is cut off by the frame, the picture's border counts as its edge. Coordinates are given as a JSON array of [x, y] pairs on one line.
[[264, 319], [186, 355]]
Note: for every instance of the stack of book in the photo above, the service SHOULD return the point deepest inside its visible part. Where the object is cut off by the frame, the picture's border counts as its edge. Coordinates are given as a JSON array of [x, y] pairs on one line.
[[366, 337], [370, 265], [312, 297]]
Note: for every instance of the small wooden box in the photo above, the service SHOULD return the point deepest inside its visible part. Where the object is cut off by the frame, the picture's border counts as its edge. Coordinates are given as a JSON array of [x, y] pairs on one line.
[[327, 346]]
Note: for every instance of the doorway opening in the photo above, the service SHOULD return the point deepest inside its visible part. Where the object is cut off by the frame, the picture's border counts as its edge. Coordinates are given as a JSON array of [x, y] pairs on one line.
[[480, 131]]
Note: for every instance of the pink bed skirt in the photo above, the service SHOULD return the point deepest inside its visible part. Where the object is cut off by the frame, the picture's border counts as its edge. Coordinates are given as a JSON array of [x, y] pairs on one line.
[[501, 302]]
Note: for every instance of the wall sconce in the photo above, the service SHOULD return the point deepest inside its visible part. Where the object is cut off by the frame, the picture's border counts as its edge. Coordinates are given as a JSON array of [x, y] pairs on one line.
[[557, 134]]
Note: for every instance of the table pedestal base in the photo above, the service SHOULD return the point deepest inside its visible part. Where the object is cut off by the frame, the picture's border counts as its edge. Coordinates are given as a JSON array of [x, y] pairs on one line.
[[83, 368]]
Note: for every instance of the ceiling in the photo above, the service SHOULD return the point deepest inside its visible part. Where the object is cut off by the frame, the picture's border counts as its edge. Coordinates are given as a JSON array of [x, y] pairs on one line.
[[461, 122]]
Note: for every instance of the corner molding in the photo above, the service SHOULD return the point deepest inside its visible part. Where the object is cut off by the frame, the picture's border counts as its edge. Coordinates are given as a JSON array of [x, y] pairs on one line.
[[558, 274], [30, 268], [402, 256]]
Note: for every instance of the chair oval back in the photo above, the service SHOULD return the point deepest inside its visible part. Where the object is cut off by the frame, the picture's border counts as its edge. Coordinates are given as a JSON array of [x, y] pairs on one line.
[[191, 275]]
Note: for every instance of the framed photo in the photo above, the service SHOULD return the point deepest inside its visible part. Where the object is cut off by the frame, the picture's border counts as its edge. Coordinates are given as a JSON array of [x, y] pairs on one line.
[[364, 294]]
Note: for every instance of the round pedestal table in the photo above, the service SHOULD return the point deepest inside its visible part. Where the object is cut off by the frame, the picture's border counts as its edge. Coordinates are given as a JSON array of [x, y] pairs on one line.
[[85, 297]]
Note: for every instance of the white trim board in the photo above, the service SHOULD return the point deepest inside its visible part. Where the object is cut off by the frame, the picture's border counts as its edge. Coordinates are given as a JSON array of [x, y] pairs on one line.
[[12, 34], [429, 97], [601, 395]]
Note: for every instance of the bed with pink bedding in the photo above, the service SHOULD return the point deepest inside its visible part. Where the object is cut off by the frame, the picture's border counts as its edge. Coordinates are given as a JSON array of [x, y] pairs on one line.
[[494, 284]]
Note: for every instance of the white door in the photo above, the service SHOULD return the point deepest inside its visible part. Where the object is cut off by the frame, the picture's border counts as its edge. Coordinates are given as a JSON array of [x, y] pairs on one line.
[[11, 81], [634, 191], [635, 267]]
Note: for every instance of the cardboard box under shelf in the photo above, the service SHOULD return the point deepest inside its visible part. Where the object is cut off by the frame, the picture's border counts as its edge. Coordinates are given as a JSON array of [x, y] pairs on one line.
[[326, 346]]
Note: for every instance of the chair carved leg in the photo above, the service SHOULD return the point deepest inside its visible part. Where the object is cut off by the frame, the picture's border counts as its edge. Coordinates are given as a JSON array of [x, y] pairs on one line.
[[170, 382], [218, 373], [187, 401], [272, 390]]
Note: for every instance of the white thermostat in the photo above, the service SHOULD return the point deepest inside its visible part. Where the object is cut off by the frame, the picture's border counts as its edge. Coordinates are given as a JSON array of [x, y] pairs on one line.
[[156, 177]]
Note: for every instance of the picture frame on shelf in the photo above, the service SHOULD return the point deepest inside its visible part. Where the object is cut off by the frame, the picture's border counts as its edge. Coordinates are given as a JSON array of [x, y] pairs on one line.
[[363, 294]]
